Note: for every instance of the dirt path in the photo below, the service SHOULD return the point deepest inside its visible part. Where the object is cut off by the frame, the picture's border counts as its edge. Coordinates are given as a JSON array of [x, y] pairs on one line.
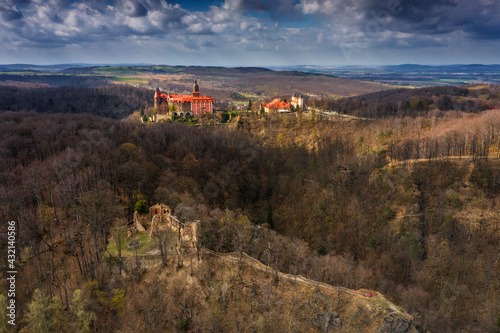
[[464, 158]]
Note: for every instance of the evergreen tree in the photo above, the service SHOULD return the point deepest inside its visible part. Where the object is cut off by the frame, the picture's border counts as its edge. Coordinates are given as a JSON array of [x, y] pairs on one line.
[[261, 111], [37, 317], [83, 318], [3, 313], [45, 315], [141, 207]]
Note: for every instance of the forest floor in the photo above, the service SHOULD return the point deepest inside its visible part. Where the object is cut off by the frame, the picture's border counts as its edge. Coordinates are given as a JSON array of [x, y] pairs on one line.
[[139, 244]]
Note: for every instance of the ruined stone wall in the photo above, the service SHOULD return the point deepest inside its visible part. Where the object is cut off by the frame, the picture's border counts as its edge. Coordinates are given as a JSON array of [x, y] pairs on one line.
[[137, 223], [160, 218], [144, 261], [189, 233]]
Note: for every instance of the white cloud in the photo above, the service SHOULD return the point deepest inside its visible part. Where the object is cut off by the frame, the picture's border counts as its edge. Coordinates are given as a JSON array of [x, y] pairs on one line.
[[196, 28], [323, 7], [219, 28], [309, 7]]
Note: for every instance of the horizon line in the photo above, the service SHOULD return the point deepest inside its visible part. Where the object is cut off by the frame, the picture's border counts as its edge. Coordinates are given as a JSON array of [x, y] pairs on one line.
[[243, 66]]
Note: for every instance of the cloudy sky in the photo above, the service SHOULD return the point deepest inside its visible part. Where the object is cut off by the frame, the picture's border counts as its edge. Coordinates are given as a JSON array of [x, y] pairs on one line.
[[250, 32]]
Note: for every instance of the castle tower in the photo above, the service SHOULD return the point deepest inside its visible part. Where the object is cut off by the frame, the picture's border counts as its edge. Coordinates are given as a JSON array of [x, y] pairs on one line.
[[157, 95], [196, 89], [298, 101]]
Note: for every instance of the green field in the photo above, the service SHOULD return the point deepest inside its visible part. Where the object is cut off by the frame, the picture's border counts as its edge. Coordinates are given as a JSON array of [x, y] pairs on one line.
[[125, 79], [145, 247], [136, 70]]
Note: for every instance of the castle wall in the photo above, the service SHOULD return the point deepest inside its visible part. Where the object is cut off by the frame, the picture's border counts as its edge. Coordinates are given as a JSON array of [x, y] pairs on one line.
[[163, 117], [182, 107]]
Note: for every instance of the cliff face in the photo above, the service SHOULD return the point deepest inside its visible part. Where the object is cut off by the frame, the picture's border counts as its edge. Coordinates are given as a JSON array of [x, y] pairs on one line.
[[236, 293]]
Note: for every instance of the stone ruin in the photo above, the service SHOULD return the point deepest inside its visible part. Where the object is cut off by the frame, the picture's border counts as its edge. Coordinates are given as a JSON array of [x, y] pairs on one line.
[[160, 218]]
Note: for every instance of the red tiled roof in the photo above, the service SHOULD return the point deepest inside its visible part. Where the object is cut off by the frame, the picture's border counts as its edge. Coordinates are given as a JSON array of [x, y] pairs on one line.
[[277, 104], [184, 98]]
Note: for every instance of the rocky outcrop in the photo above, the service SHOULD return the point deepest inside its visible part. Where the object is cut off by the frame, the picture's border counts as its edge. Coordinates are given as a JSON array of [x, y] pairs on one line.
[[395, 323], [363, 310]]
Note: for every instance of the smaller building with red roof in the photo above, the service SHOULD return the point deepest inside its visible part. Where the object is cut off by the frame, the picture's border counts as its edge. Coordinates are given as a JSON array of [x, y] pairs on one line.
[[277, 106]]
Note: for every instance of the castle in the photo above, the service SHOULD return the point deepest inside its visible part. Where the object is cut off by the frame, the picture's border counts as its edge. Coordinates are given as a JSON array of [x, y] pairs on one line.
[[171, 105]]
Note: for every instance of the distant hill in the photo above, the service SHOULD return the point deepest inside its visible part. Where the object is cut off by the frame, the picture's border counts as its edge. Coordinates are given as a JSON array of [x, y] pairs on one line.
[[53, 79], [286, 82], [163, 69], [411, 75], [417, 102], [38, 68], [51, 68], [445, 68], [223, 83]]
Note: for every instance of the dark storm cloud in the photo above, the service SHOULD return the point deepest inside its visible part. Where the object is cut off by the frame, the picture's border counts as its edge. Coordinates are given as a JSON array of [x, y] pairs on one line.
[[10, 13], [243, 5], [18, 2], [278, 9], [263, 5], [478, 19], [133, 8], [489, 30]]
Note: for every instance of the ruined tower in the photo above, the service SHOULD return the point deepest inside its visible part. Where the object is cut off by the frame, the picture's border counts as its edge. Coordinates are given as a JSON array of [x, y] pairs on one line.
[[157, 96]]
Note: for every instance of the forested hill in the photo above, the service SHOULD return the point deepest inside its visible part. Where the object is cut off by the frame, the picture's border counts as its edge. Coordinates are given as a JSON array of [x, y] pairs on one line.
[[416, 102], [302, 195], [116, 101]]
